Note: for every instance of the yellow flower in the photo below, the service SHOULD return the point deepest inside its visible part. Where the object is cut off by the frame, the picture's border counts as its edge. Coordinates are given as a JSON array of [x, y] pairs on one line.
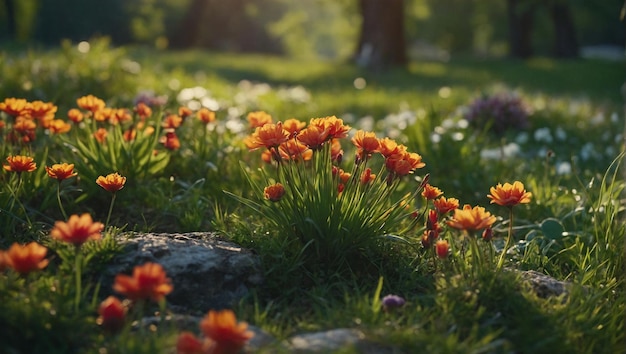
[[112, 182], [509, 194], [471, 219]]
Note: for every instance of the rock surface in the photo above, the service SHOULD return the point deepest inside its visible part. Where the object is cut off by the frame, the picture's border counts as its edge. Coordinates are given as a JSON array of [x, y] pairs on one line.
[[206, 271]]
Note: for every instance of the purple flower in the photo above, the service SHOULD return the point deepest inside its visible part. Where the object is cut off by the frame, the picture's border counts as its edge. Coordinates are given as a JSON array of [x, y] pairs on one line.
[[391, 302], [498, 113]]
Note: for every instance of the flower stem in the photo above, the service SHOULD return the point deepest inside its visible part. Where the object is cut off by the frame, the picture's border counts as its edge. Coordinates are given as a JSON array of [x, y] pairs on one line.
[[59, 200], [78, 274], [110, 211], [508, 241]]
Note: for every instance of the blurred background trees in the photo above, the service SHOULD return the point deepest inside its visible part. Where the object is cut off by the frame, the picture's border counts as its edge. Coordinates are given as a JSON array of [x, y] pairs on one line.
[[372, 32]]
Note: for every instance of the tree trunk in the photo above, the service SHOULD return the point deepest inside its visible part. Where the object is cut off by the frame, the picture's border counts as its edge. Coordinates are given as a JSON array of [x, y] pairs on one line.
[[381, 41], [565, 42], [188, 33], [521, 16], [9, 5]]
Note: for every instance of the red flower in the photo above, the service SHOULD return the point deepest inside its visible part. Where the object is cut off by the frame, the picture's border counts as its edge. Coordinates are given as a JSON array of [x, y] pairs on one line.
[[26, 258], [143, 110], [170, 141], [148, 281], [112, 314], [442, 248], [77, 230], [228, 335], [188, 343]]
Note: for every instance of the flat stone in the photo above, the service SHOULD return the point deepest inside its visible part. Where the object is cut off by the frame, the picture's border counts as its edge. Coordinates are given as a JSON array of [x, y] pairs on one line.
[[206, 271], [543, 285]]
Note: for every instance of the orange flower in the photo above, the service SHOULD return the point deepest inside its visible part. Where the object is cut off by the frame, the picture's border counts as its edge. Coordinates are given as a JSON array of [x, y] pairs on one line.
[[228, 335], [390, 147], [366, 143], [170, 141], [14, 106], [333, 125], [112, 314], [258, 119], [148, 281], [130, 134], [294, 150], [274, 192], [205, 115], [431, 192], [404, 163], [24, 125], [26, 258], [313, 136], [61, 171], [172, 121], [336, 152], [75, 115], [120, 115], [367, 176], [59, 126], [509, 194], [442, 248], [77, 230], [100, 135], [293, 126], [113, 182], [104, 114], [444, 205], [188, 343], [472, 219], [90, 103], [184, 112], [269, 135], [20, 164], [42, 110], [143, 110]]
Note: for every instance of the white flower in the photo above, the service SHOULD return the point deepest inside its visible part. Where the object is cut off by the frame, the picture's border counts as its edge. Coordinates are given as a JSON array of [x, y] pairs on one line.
[[543, 135], [563, 168]]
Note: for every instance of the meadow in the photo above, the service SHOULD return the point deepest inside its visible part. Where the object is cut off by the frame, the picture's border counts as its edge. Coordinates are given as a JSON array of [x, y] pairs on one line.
[[349, 185]]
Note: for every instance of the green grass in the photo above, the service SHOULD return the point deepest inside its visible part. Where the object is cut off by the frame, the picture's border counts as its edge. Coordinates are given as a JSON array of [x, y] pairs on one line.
[[573, 229]]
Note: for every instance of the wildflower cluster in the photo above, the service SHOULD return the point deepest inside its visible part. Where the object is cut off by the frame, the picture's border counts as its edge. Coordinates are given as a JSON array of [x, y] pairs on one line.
[[498, 113], [320, 199], [222, 335]]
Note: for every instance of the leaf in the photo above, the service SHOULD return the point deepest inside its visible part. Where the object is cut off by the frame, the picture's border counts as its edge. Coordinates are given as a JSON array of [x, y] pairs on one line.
[[552, 228]]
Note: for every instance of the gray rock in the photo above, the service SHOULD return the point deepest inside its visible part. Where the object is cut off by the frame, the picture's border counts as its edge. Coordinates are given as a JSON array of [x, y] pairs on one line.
[[206, 271], [544, 286], [335, 340]]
